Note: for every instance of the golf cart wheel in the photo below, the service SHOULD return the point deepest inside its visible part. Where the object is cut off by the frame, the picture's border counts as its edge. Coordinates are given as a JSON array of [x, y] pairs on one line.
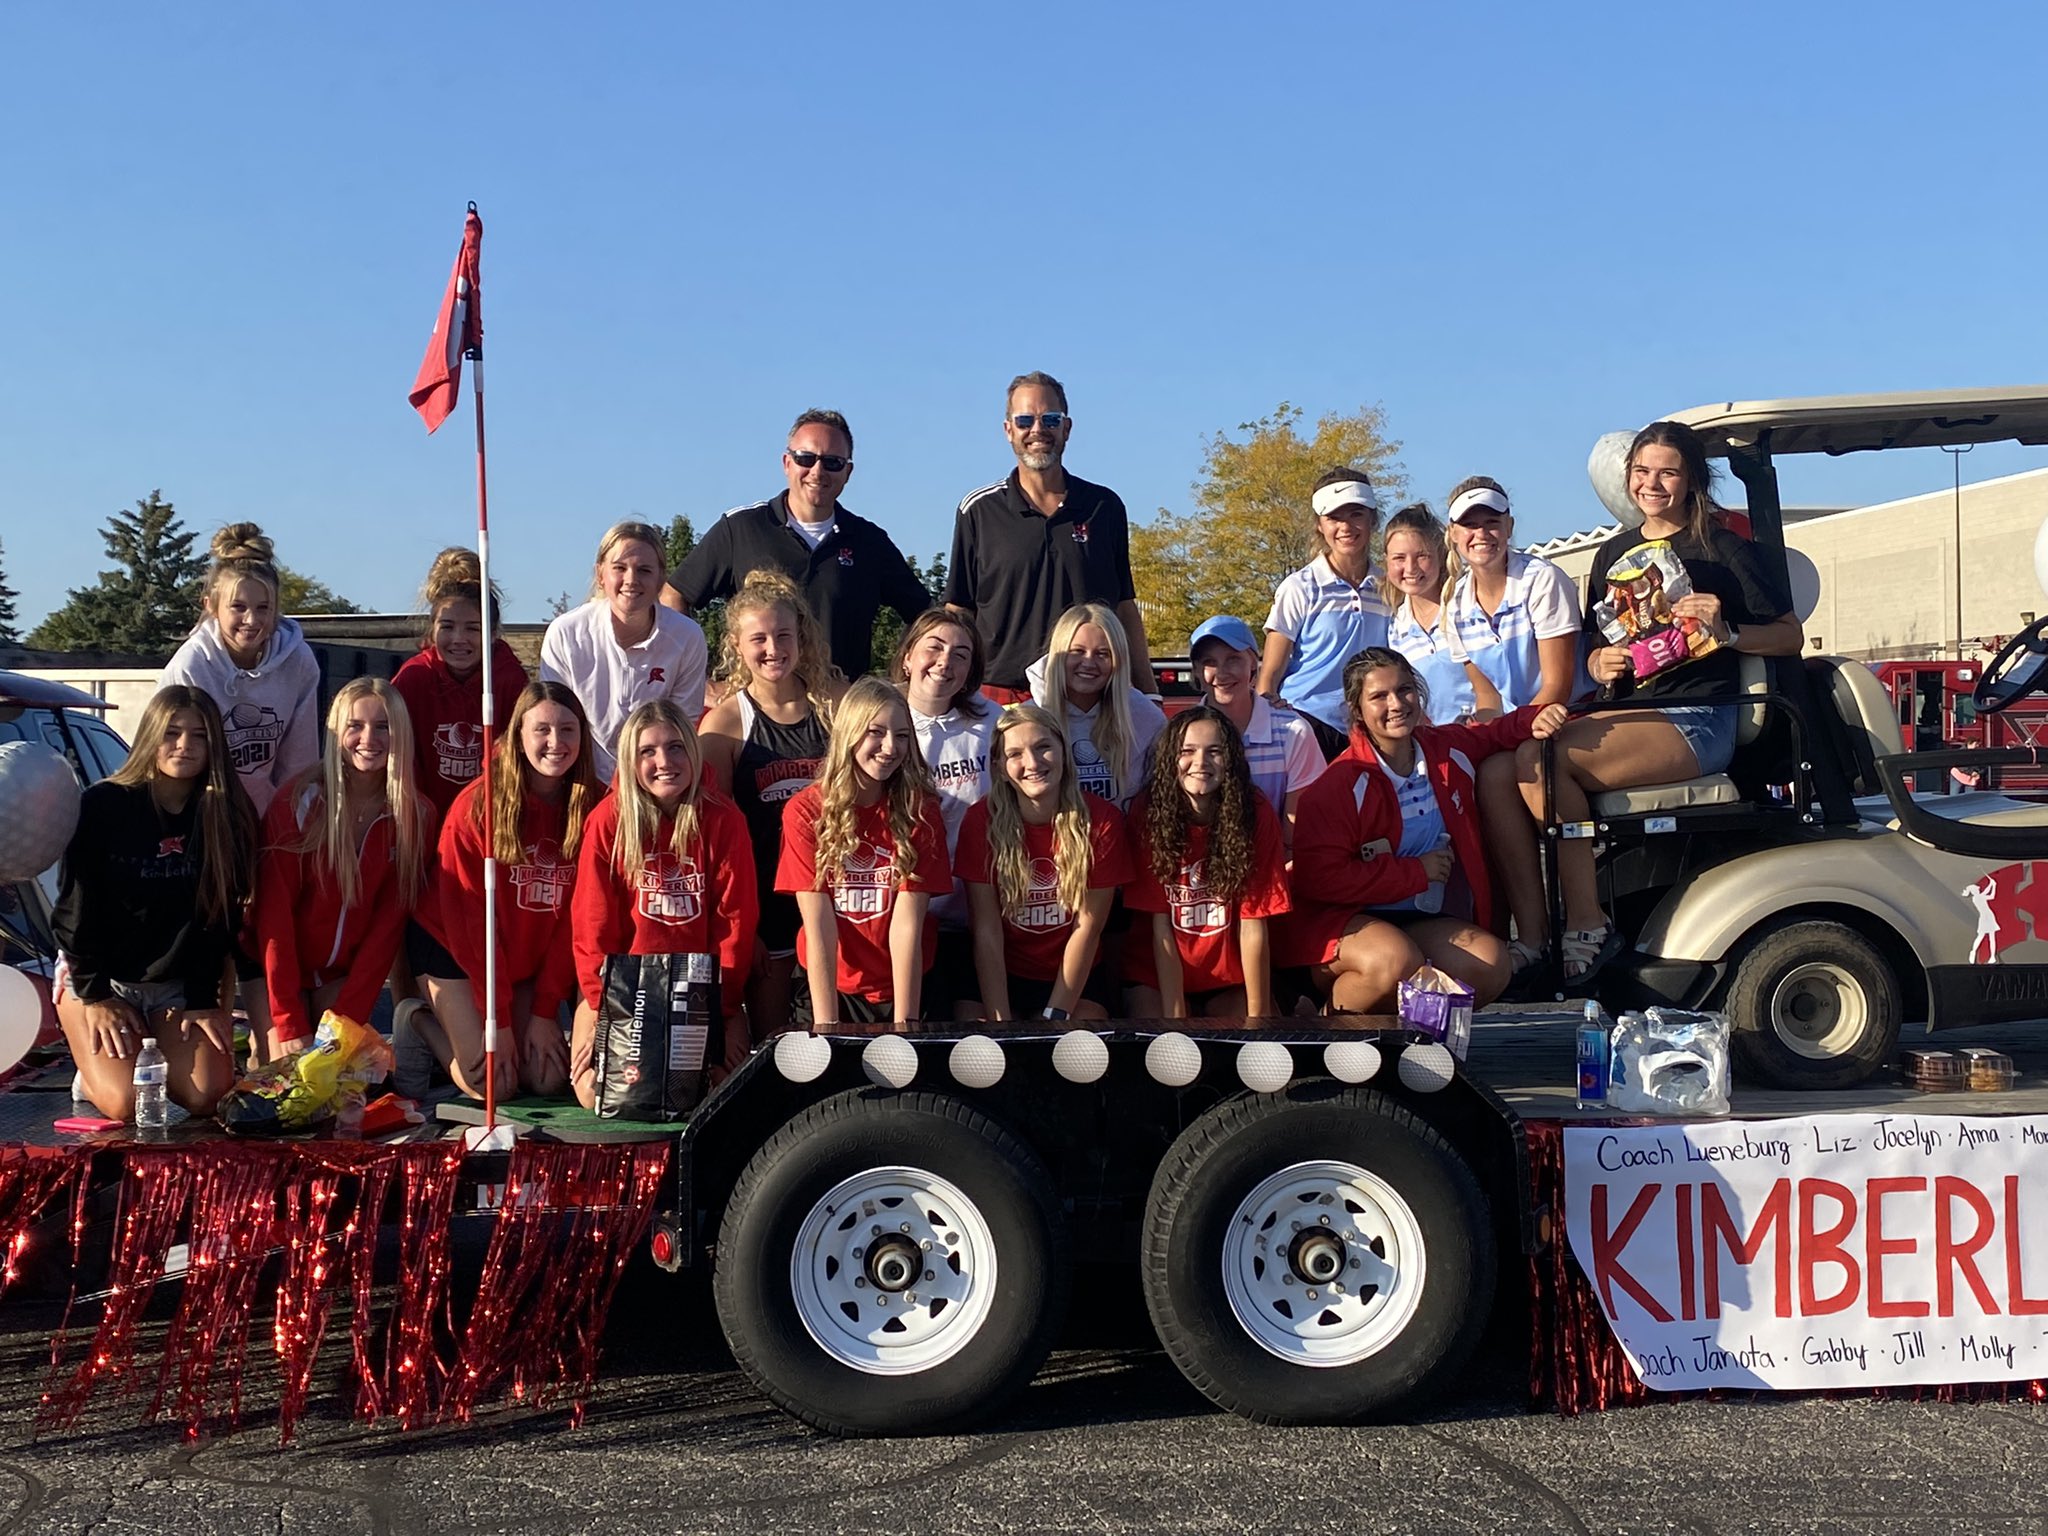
[[891, 1264], [1315, 1256], [1813, 1004]]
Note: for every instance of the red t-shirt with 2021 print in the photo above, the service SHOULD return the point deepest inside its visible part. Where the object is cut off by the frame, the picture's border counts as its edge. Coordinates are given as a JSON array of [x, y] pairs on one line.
[[1204, 929], [864, 896], [1035, 936]]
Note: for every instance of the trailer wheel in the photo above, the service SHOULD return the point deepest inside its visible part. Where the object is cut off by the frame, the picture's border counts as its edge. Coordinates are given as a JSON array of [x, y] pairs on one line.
[[891, 1264], [1315, 1256], [1813, 1004]]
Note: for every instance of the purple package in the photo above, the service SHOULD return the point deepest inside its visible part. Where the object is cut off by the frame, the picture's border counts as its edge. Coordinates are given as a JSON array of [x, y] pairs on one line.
[[1439, 1007]]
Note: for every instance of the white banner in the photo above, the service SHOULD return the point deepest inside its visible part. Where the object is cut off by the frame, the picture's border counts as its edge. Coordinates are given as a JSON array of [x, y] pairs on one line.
[[1833, 1251]]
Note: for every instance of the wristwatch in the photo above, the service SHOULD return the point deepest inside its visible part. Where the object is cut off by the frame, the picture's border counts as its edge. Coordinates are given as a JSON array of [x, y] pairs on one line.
[[1056, 1015], [1734, 634]]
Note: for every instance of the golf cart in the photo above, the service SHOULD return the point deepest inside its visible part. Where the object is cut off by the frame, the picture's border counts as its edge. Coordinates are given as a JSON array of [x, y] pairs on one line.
[[1808, 891]]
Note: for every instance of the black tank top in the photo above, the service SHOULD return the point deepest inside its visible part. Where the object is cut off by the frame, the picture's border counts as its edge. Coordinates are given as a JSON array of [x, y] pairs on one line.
[[775, 762]]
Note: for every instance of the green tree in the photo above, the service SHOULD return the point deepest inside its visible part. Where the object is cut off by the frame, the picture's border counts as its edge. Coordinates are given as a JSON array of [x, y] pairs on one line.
[[8, 613], [148, 603], [889, 625], [682, 538], [1251, 524], [306, 594]]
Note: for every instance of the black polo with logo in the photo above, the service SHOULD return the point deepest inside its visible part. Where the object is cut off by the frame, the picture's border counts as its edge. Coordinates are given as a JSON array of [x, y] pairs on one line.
[[854, 572], [1020, 570]]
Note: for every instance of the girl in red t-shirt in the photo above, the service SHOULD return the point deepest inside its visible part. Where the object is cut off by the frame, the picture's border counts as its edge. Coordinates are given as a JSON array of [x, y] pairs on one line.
[[863, 851], [346, 850], [543, 789], [1212, 867], [666, 869], [1043, 861]]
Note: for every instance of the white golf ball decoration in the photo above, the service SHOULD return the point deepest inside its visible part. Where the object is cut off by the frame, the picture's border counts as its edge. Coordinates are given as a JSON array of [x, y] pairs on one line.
[[890, 1061], [1080, 1056], [38, 808], [977, 1062], [1265, 1066], [802, 1058], [1607, 468], [1352, 1061], [1428, 1067], [1173, 1059]]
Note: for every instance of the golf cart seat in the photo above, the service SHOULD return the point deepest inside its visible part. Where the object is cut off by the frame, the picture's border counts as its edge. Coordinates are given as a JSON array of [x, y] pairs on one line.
[[1867, 727], [1708, 789]]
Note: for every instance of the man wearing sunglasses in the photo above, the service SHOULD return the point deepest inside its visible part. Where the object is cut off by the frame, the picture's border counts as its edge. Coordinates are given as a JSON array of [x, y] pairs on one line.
[[848, 568], [1029, 547]]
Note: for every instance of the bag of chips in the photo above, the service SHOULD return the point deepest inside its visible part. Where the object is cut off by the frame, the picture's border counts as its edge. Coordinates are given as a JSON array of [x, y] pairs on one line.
[[306, 1091], [653, 1033], [1637, 612]]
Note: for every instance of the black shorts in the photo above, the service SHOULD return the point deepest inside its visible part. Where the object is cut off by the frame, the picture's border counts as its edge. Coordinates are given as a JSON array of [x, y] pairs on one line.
[[853, 1009], [1333, 741], [952, 978], [426, 957], [781, 922]]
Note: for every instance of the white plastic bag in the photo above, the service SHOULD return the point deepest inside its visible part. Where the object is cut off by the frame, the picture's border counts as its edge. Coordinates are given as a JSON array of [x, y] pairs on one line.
[[1670, 1062]]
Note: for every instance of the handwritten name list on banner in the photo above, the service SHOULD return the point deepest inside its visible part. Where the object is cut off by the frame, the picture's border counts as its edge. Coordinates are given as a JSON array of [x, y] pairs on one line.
[[1831, 1251]]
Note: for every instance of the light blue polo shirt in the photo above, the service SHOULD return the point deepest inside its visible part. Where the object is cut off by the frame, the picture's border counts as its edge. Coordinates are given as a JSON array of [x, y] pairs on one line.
[[1429, 652], [1422, 827], [1538, 604], [1329, 621]]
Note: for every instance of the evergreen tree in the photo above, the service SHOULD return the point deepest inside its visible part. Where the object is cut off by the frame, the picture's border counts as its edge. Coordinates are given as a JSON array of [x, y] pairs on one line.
[[148, 603], [8, 614]]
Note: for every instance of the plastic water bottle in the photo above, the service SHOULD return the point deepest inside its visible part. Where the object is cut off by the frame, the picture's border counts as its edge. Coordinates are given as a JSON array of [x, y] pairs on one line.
[[1432, 899], [1596, 1041], [152, 1075]]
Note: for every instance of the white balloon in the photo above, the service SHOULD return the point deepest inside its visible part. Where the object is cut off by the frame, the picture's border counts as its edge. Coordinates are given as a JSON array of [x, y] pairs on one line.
[[1265, 1066], [1607, 468], [1428, 1067], [38, 808], [21, 1015], [1080, 1056], [802, 1058], [890, 1061], [1804, 577], [977, 1062], [1351, 1061], [2041, 555], [1174, 1059]]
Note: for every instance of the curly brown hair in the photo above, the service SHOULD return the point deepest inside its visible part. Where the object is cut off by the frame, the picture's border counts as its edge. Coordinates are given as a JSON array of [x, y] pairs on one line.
[[1168, 815]]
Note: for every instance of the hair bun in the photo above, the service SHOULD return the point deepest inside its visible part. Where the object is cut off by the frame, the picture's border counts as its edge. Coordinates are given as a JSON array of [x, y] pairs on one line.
[[243, 541]]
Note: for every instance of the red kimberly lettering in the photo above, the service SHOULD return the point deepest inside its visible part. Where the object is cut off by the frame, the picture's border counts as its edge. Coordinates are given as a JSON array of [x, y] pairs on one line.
[[1718, 1230], [1685, 1258], [1608, 1244], [1877, 1247], [2017, 1301], [1951, 1256], [1818, 1246]]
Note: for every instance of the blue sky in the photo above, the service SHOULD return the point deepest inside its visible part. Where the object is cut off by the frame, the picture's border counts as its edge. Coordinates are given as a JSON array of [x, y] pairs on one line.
[[1516, 227]]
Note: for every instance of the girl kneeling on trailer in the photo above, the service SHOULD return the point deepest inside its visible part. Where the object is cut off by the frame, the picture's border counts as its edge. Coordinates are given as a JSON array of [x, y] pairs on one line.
[[346, 850], [666, 869], [863, 852], [1387, 853], [542, 792], [151, 897], [1042, 861], [1212, 869]]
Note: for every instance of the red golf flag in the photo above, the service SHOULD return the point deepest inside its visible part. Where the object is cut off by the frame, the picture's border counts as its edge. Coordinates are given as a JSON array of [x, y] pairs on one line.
[[458, 329]]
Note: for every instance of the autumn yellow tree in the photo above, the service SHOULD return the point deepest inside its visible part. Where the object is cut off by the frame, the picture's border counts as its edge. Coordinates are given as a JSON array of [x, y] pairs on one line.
[[1251, 522]]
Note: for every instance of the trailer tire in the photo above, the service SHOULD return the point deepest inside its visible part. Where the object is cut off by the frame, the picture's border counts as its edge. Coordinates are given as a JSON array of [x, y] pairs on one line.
[[1812, 1004], [1229, 1275], [815, 1304]]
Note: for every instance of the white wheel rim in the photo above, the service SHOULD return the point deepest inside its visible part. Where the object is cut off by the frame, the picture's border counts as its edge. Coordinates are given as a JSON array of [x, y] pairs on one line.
[[1819, 1010], [853, 1251], [1323, 1264]]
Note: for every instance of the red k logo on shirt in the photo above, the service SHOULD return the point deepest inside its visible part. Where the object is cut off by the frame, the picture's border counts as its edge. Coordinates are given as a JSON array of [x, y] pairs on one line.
[[171, 847], [671, 889], [654, 675], [541, 882], [866, 885]]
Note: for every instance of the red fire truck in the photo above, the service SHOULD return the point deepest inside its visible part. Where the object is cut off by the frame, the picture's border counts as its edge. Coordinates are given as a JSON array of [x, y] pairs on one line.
[[1932, 699]]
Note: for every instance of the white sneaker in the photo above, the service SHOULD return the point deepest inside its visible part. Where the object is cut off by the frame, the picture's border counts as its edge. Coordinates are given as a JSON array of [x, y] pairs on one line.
[[414, 1067]]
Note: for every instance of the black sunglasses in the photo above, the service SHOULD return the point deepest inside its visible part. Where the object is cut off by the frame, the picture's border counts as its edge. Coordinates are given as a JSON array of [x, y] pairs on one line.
[[804, 459], [1052, 421]]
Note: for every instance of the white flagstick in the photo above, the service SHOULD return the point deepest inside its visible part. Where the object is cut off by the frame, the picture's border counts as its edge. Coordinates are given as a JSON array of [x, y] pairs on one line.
[[490, 718]]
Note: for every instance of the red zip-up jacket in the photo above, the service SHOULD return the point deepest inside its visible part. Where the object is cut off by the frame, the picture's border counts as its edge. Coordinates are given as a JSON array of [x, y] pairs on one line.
[[704, 902], [306, 937], [532, 900], [447, 714], [1349, 820]]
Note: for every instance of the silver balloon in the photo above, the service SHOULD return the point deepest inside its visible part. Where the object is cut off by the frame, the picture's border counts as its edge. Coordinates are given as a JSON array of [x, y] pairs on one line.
[[1607, 468], [38, 808]]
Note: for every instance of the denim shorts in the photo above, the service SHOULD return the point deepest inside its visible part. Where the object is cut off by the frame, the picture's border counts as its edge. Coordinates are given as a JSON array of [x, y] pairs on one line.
[[1709, 729], [144, 997]]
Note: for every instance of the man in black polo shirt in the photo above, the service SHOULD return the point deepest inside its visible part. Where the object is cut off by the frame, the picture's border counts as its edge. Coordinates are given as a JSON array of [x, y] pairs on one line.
[[847, 567], [1028, 548]]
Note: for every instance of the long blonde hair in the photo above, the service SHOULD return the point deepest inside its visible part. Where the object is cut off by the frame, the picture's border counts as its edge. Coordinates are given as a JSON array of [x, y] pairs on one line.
[[639, 812], [1113, 734], [507, 788], [904, 794], [325, 832], [1072, 849], [228, 834], [760, 592]]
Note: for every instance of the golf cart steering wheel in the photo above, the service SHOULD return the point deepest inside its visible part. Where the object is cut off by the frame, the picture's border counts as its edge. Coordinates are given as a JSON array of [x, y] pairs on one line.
[[2016, 671]]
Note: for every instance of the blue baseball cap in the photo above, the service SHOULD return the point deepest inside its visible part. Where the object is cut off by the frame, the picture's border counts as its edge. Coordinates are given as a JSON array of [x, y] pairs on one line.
[[1228, 628]]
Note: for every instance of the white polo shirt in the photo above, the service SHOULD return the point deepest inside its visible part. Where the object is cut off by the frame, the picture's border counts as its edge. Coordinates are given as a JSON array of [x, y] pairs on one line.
[[612, 680], [1282, 751], [1538, 604]]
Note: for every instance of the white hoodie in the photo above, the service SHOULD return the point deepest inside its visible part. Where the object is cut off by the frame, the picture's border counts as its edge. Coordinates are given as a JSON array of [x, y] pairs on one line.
[[271, 710], [1118, 786], [956, 748]]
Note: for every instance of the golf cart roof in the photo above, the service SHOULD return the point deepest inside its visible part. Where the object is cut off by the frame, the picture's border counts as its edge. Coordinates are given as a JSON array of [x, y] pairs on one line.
[[1854, 423]]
